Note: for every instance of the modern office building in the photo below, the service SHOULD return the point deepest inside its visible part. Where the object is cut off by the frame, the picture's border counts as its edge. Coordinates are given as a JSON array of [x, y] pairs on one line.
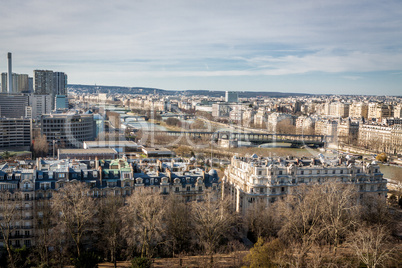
[[13, 105], [51, 83], [254, 179], [39, 105], [60, 83], [43, 82], [61, 102], [67, 130], [15, 133], [231, 96]]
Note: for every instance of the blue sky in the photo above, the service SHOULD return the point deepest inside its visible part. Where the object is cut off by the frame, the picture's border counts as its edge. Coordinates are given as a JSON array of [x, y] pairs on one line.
[[345, 47]]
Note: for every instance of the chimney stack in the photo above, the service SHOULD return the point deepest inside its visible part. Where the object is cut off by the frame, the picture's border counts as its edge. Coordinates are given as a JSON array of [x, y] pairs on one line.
[[9, 74]]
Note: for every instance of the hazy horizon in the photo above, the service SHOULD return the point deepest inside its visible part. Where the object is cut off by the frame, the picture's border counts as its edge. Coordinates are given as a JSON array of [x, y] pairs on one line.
[[314, 47]]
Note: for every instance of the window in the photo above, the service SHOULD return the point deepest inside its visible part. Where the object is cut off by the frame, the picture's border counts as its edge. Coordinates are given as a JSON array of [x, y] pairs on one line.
[[310, 172], [273, 190], [280, 172], [164, 190], [341, 171], [177, 189], [188, 188], [261, 190], [200, 188], [95, 174], [27, 243], [61, 175], [17, 243], [302, 172], [26, 196], [333, 171], [282, 189], [318, 172], [26, 233]]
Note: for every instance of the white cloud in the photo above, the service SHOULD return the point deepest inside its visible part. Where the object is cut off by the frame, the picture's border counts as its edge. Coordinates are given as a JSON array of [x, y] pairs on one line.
[[202, 38]]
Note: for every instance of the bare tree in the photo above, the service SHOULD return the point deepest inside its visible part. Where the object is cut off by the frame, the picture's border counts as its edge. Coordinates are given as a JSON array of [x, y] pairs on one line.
[[110, 225], [213, 221], [301, 215], [43, 234], [261, 221], [8, 218], [75, 211], [178, 225], [142, 221], [370, 245], [40, 146], [339, 209]]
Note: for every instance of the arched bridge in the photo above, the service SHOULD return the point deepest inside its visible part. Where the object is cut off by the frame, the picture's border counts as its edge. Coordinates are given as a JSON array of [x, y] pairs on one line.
[[254, 138]]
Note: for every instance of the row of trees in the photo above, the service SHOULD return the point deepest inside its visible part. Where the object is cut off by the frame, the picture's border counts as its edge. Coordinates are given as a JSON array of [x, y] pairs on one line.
[[323, 225], [74, 228], [314, 226]]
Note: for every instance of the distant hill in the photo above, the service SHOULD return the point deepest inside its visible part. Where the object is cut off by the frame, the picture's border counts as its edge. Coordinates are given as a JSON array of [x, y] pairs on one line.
[[144, 90]]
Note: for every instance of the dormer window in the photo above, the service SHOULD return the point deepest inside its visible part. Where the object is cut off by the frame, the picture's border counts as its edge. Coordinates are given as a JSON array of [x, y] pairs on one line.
[[61, 175]]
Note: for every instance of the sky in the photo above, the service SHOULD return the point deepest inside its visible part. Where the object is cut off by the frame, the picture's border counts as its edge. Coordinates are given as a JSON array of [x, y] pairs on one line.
[[329, 47]]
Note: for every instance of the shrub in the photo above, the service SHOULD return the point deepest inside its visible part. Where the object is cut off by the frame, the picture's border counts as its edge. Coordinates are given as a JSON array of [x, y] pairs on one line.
[[141, 262]]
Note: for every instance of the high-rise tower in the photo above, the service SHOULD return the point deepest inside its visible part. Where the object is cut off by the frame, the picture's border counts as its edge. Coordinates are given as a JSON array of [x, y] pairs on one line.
[[10, 74]]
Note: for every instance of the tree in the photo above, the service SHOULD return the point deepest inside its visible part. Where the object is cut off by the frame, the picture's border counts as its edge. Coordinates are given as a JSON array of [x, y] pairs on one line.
[[171, 121], [382, 157], [339, 209], [142, 221], [178, 225], [369, 245], [74, 211], [6, 155], [261, 221], [40, 146], [266, 254], [300, 215], [43, 235], [110, 225], [8, 218], [213, 220]]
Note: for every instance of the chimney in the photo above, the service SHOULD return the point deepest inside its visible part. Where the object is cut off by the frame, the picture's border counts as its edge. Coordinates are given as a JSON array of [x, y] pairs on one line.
[[9, 74]]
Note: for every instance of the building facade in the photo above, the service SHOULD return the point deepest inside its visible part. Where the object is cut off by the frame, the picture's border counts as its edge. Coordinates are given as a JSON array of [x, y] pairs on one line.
[[254, 179], [15, 133], [67, 130]]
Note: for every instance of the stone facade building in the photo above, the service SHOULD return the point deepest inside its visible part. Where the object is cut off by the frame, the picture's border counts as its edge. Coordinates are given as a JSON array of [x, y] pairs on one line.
[[254, 179]]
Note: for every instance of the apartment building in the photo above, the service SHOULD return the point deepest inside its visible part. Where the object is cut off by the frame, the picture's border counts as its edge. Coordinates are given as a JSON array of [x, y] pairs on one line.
[[254, 179], [17, 204]]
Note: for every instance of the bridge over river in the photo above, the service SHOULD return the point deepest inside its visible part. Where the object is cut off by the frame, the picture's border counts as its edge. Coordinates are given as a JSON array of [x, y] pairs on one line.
[[253, 138]]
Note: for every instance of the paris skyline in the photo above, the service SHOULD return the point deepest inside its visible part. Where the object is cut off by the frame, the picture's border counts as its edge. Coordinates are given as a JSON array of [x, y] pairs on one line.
[[342, 47]]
